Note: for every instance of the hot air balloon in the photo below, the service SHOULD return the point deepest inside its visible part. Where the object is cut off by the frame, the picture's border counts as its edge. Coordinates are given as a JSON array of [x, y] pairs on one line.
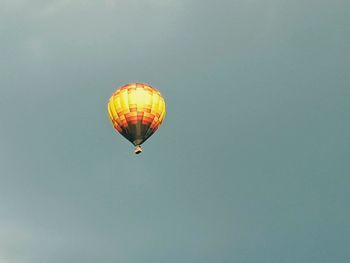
[[136, 111]]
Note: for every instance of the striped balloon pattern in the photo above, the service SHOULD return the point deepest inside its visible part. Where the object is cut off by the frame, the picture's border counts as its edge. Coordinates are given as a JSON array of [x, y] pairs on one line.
[[136, 111]]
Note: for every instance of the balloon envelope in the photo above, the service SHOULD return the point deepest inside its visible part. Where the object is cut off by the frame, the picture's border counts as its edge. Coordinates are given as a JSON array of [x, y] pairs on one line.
[[136, 111]]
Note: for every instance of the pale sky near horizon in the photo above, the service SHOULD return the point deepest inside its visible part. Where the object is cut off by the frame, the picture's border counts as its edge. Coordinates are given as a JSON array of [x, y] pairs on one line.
[[251, 164]]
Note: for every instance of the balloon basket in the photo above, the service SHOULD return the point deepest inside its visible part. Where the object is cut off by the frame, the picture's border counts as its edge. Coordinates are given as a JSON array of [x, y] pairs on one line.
[[138, 149]]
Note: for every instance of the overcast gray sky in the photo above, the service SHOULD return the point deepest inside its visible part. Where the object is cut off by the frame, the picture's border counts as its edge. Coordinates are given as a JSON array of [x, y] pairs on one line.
[[250, 165]]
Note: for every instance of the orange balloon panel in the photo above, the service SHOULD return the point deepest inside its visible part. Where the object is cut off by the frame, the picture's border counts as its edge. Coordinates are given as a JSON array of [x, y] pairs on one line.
[[136, 110]]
